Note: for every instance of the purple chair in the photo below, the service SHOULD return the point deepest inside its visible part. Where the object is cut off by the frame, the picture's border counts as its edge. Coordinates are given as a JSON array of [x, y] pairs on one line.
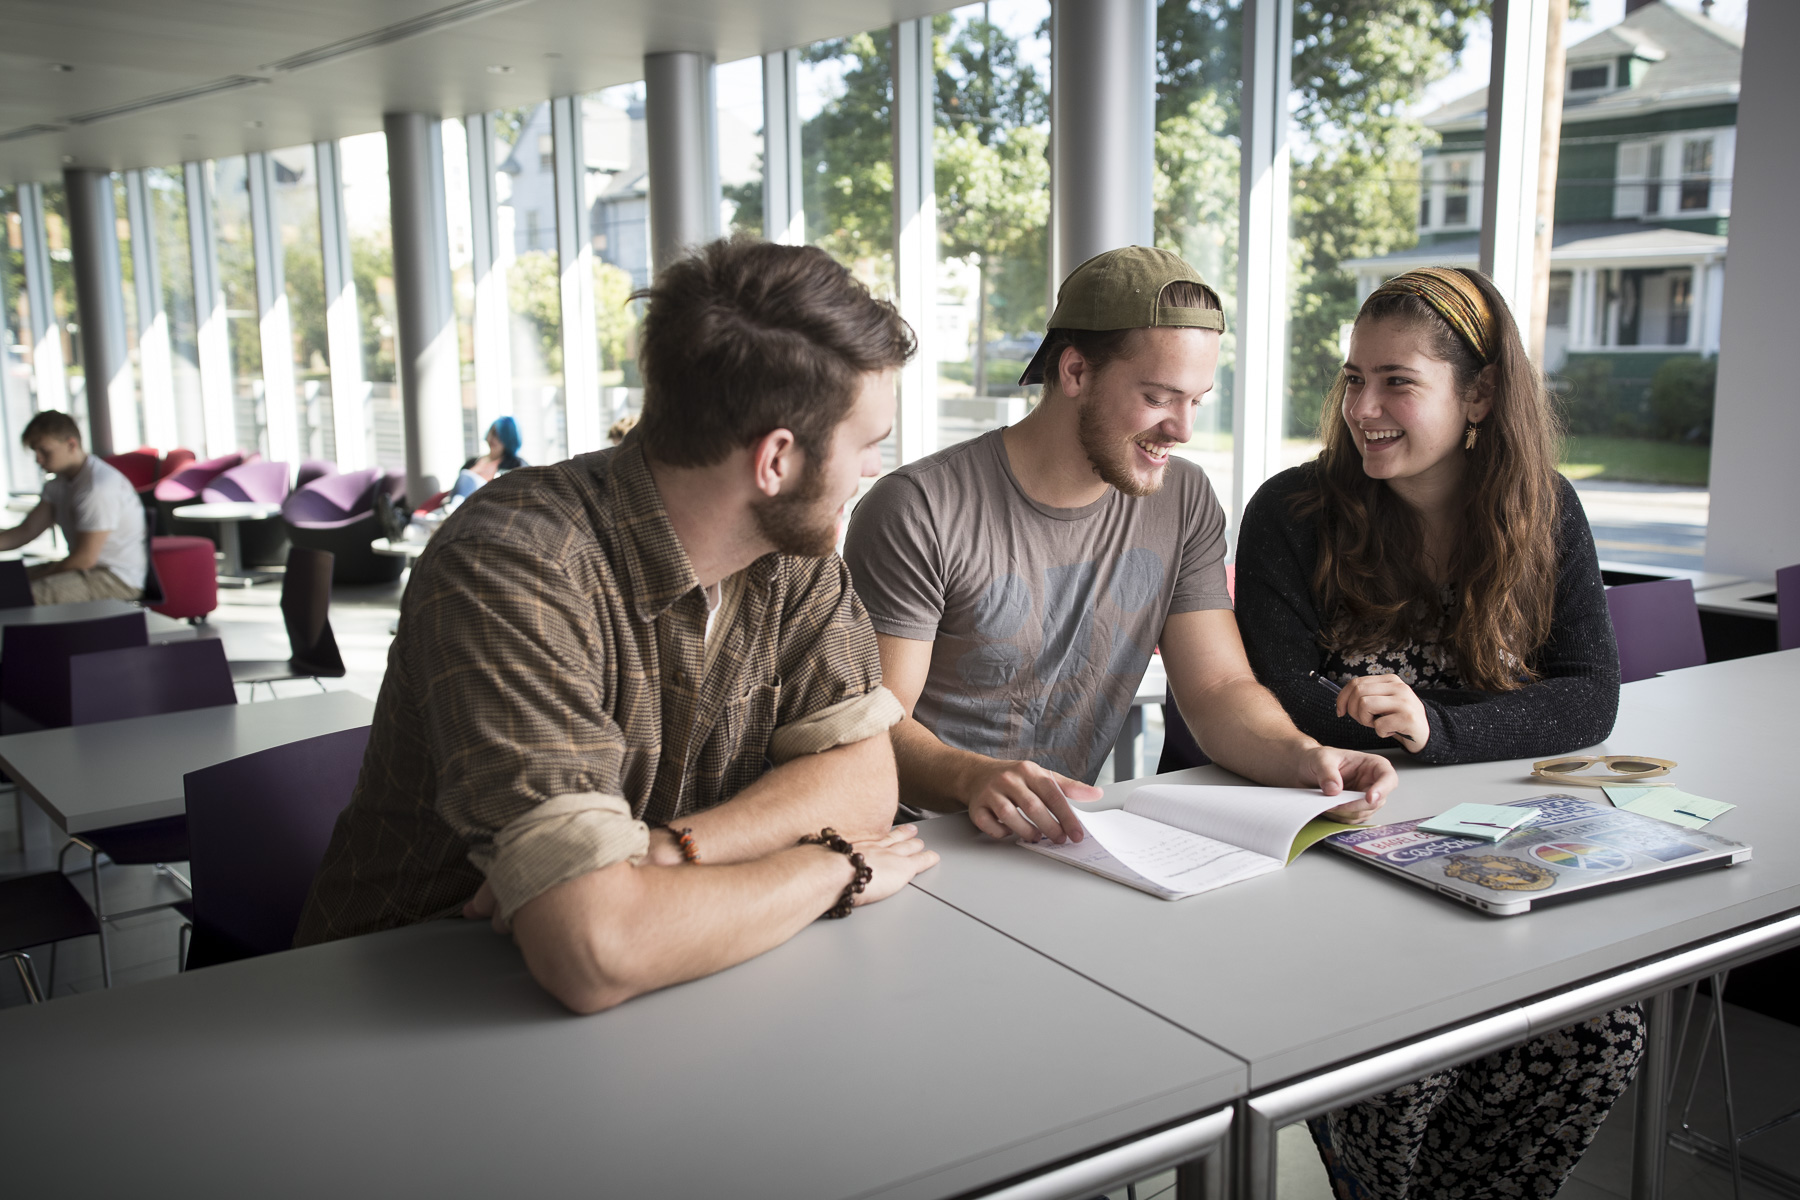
[[15, 585], [313, 468], [260, 827], [1787, 608], [184, 487], [1658, 627], [143, 681], [34, 687], [337, 514], [38, 910], [261, 543]]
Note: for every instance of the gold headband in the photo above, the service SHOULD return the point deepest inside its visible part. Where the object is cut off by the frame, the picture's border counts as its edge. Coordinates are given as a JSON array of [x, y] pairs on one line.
[[1453, 297]]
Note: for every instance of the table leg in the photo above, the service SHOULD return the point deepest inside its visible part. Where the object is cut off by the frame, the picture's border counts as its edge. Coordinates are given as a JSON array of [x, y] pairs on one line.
[[1652, 1133], [231, 549], [1255, 1166], [1205, 1178]]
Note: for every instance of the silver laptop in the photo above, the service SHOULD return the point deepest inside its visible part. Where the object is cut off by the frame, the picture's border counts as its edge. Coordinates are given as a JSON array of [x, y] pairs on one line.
[[1573, 845]]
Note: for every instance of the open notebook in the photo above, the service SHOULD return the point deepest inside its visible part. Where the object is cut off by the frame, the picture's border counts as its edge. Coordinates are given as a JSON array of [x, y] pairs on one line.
[[1175, 841]]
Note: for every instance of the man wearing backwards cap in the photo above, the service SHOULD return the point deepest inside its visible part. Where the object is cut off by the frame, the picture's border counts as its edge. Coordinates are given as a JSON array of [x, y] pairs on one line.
[[1018, 581]]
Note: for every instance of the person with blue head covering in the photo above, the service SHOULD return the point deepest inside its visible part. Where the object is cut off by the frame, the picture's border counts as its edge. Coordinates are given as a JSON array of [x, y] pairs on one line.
[[502, 456]]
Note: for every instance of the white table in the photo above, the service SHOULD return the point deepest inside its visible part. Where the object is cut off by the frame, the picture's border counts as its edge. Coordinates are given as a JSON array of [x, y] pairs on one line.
[[227, 513], [120, 772], [907, 1053], [1333, 971], [1744, 599]]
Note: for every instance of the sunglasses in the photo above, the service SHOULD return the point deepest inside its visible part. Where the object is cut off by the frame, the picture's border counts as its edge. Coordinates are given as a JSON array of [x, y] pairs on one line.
[[1618, 768]]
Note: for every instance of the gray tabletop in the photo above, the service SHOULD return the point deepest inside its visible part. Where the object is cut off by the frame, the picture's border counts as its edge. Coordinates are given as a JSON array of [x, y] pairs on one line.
[[905, 1052], [1329, 960], [118, 772], [56, 614]]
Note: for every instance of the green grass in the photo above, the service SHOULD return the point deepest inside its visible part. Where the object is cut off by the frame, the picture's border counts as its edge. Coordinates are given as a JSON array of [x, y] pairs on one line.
[[1635, 461]]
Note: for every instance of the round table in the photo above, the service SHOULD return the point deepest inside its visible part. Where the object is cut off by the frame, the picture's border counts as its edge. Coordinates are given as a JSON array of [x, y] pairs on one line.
[[228, 513]]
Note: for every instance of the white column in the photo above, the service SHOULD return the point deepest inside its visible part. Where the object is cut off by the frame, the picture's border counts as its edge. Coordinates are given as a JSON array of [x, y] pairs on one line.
[[493, 352], [1256, 419], [586, 423], [209, 312], [915, 233], [100, 304], [156, 373], [1509, 183], [1715, 306], [784, 218], [273, 322], [681, 118], [1102, 129], [430, 383], [343, 325], [47, 364]]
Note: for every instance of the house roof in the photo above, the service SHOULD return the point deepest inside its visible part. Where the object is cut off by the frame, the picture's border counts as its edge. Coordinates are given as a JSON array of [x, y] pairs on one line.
[[1616, 240], [1691, 61]]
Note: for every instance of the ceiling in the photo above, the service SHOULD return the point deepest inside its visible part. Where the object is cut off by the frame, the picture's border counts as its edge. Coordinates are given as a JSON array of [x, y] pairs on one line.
[[226, 76]]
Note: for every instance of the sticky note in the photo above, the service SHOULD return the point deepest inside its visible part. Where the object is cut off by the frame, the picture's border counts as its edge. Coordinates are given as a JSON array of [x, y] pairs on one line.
[[1489, 822], [1669, 804]]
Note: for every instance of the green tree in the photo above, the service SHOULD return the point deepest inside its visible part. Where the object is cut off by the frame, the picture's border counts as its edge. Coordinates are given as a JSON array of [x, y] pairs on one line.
[[847, 184]]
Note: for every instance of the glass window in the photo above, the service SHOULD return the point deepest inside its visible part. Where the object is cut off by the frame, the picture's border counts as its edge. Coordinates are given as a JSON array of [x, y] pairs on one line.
[[65, 320], [367, 220], [18, 384], [131, 406], [1199, 66], [175, 268], [294, 195], [737, 89], [616, 198], [1696, 174], [993, 204], [1587, 79], [1653, 170], [1378, 109], [459, 220], [525, 250], [230, 183]]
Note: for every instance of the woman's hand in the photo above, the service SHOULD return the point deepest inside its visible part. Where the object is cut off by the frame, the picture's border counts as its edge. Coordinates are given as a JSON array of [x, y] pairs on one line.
[[1386, 704]]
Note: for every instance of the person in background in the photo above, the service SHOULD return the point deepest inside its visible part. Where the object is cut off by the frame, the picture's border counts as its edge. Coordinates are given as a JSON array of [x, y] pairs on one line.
[[1433, 564], [98, 511], [621, 427], [634, 711], [502, 456], [1019, 581]]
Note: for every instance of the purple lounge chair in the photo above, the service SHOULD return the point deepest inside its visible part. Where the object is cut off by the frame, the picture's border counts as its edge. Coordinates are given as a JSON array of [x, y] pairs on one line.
[[260, 826], [1658, 627], [313, 468], [184, 487], [337, 513], [262, 543]]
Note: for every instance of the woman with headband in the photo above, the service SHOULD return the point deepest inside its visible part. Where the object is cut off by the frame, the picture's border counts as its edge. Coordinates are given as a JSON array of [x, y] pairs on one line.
[[1436, 572]]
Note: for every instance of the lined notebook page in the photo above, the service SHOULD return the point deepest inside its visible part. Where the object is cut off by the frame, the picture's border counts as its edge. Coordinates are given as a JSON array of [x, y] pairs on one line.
[[1261, 819], [1156, 857]]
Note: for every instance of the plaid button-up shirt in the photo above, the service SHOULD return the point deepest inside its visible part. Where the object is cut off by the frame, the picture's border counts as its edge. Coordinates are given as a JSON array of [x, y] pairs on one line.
[[552, 688]]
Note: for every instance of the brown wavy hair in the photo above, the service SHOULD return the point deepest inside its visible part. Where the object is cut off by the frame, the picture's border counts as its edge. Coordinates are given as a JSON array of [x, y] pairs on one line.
[[1371, 581]]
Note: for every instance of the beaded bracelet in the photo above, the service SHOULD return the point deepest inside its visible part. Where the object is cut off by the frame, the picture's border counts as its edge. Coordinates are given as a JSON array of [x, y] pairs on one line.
[[684, 838], [831, 840]]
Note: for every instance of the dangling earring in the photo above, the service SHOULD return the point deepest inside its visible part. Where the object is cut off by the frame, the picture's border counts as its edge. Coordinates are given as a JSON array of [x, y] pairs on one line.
[[1469, 437]]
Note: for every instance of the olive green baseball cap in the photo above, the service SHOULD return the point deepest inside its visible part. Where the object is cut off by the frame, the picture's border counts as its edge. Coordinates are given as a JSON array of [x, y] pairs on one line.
[[1122, 289]]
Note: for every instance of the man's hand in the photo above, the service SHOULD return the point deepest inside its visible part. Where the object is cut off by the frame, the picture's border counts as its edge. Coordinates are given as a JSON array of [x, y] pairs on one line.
[[1007, 798], [1333, 771], [1387, 705], [895, 857]]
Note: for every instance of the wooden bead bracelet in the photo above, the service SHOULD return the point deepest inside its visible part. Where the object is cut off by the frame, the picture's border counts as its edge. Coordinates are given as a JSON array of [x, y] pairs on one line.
[[831, 840]]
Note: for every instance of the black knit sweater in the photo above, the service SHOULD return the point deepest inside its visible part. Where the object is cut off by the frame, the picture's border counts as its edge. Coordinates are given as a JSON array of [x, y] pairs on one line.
[[1572, 704]]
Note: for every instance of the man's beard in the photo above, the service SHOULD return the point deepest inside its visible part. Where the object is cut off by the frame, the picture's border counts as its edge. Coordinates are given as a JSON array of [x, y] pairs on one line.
[[1112, 459], [791, 522]]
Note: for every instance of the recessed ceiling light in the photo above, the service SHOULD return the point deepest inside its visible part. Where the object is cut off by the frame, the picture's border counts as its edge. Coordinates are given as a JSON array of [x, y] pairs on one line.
[[68, 160], [551, 54], [253, 124], [499, 69], [62, 68]]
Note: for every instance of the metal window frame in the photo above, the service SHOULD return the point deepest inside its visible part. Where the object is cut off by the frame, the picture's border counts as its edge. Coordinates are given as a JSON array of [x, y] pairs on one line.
[[784, 213], [1509, 185], [211, 332], [48, 366], [281, 424], [584, 422], [1264, 180], [156, 356], [493, 352], [343, 323], [915, 232]]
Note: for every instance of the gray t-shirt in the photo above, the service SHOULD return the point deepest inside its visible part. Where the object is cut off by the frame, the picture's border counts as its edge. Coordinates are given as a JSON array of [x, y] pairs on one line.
[[1042, 619], [100, 497]]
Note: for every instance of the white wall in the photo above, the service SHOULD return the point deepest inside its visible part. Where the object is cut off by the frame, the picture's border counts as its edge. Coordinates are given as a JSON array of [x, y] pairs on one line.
[[1755, 524]]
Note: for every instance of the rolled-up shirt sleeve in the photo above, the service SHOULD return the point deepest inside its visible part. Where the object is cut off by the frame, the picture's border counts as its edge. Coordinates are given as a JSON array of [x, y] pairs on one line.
[[528, 757], [831, 693]]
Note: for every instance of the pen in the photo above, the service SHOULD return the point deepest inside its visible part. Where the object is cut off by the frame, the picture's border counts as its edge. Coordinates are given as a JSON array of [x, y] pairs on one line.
[[1684, 812], [1335, 688]]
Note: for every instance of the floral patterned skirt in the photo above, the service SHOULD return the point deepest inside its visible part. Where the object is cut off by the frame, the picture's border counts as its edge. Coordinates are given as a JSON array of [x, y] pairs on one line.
[[1512, 1124]]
